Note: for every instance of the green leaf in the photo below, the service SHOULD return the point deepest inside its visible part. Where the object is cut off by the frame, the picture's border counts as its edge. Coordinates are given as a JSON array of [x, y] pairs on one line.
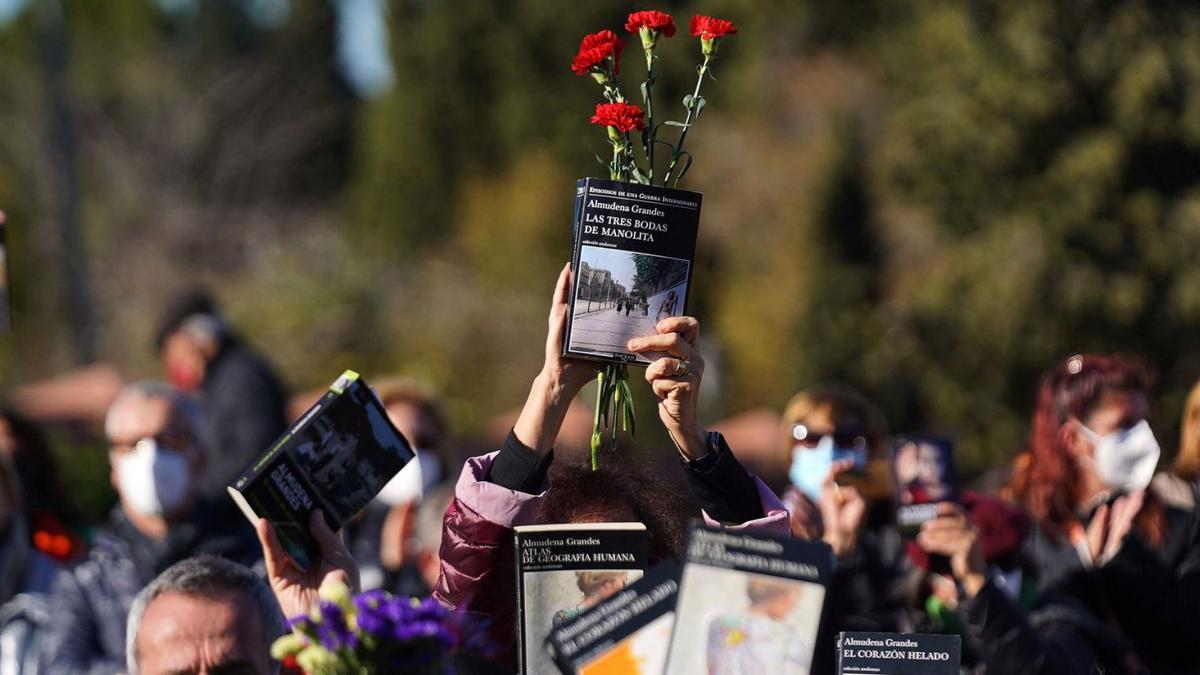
[[638, 176], [673, 123], [687, 165], [646, 90]]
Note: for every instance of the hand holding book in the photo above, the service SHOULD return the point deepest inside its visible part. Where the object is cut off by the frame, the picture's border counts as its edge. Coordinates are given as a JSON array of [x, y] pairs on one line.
[[675, 379], [297, 589], [558, 382]]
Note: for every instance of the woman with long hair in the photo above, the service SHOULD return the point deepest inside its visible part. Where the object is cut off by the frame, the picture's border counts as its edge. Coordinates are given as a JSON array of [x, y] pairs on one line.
[[1103, 537]]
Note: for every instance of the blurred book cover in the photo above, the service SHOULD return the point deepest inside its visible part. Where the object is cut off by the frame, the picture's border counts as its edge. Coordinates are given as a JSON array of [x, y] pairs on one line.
[[565, 570], [628, 633], [748, 603], [924, 471], [336, 457], [898, 654], [634, 248]]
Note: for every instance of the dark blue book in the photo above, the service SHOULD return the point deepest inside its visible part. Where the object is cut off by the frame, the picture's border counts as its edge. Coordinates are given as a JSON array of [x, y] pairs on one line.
[[898, 654], [632, 258], [336, 457]]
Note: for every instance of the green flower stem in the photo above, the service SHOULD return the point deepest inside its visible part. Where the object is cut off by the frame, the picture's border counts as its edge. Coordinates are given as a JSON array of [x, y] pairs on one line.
[[614, 406], [649, 147], [687, 122]]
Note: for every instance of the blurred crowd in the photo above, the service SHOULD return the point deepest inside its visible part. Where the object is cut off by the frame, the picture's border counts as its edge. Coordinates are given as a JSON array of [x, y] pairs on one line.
[[1082, 557]]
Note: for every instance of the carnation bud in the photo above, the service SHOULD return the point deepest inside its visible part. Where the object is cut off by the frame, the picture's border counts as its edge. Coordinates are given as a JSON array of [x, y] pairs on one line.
[[649, 37], [708, 46]]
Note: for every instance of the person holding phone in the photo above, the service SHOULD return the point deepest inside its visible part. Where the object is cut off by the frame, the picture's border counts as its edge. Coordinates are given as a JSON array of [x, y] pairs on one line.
[[840, 492]]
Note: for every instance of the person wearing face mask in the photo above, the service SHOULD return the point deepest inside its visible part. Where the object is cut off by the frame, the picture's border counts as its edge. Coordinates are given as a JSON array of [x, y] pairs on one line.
[[841, 492], [384, 539], [1102, 537], [243, 401], [157, 466]]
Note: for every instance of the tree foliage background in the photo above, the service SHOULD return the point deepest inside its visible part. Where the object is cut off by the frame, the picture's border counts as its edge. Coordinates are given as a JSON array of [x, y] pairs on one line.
[[929, 200]]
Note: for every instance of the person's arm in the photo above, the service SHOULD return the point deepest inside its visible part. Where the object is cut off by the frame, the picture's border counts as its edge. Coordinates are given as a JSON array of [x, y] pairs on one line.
[[525, 458], [499, 491], [70, 644], [1010, 645], [718, 482]]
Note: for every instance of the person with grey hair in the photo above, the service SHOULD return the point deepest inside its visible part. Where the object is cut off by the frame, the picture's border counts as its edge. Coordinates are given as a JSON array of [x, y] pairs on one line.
[[157, 463], [245, 404], [203, 615]]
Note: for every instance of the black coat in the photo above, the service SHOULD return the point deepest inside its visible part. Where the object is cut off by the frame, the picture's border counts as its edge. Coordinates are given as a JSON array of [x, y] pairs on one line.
[[245, 409], [90, 601], [1150, 597]]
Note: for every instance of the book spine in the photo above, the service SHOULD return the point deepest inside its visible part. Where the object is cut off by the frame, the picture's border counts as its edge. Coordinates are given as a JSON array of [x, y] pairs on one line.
[[522, 658], [581, 187]]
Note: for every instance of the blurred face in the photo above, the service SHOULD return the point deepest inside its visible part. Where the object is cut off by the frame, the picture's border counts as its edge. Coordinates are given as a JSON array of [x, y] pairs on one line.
[[1116, 411], [139, 418], [189, 635], [185, 361], [417, 427]]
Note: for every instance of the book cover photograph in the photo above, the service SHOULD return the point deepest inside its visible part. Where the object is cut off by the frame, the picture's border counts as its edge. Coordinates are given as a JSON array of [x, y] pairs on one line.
[[565, 570], [748, 603], [336, 457], [898, 654], [924, 471], [633, 256], [627, 634]]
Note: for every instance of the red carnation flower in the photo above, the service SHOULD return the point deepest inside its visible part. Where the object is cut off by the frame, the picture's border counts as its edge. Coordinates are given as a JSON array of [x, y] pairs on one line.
[[623, 117], [657, 21], [708, 28], [596, 47]]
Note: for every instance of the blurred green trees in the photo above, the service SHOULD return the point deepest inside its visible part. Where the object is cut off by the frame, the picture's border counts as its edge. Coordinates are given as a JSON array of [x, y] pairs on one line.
[[932, 201]]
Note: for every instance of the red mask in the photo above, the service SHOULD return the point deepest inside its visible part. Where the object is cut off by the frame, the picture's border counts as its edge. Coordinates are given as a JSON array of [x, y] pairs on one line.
[[183, 378]]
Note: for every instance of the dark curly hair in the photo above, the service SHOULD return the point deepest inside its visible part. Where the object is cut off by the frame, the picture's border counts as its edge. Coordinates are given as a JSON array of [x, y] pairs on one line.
[[615, 492]]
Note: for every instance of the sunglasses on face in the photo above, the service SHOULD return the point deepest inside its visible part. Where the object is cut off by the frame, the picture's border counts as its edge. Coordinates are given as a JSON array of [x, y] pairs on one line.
[[842, 438]]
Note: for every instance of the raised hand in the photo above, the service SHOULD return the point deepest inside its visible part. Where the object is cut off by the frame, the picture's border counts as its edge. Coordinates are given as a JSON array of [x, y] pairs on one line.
[[296, 589], [559, 381], [1111, 524], [842, 511], [675, 378], [952, 535]]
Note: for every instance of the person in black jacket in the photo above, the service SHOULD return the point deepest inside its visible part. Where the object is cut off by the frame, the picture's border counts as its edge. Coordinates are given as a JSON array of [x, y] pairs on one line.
[[841, 493], [243, 401], [157, 465], [1104, 536]]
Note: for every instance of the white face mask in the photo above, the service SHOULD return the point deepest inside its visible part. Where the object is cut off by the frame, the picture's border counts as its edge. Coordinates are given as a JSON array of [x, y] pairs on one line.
[[1126, 459], [154, 481]]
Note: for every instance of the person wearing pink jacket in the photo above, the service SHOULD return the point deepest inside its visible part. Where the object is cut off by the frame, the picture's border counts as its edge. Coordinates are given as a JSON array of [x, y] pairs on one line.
[[513, 486]]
